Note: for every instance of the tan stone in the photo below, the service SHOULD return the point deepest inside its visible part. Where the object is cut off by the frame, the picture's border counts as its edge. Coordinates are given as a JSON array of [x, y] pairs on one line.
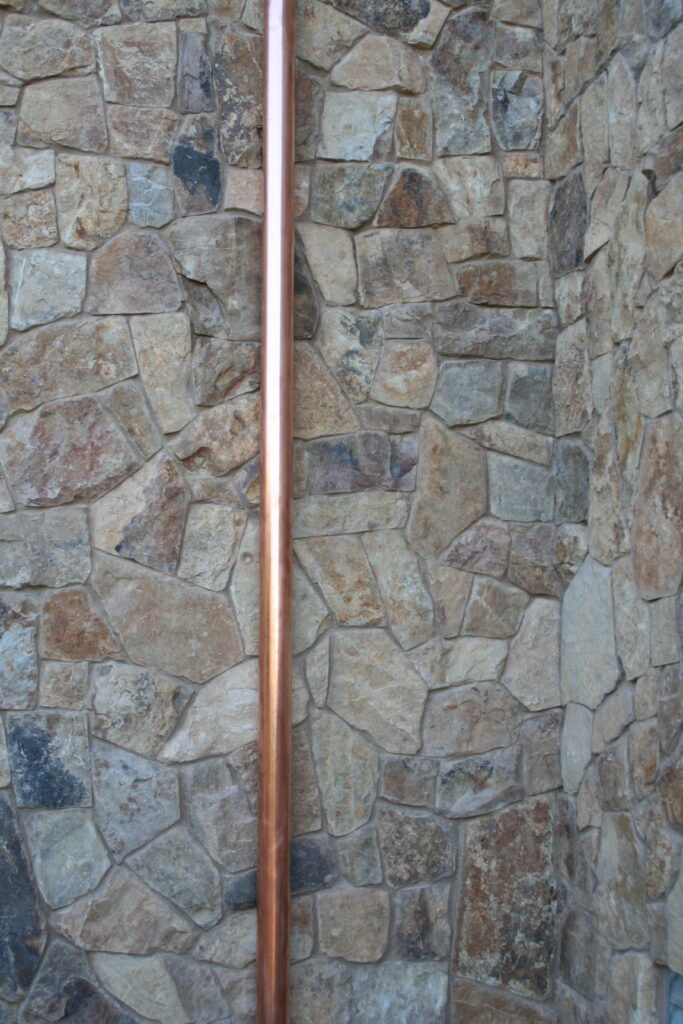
[[494, 609], [142, 132], [406, 599], [658, 530], [35, 48], [339, 566], [480, 1005], [604, 209], [397, 265], [63, 111], [330, 255], [621, 113], [29, 220], [571, 380], [451, 489], [143, 984], [324, 33], [136, 708], [494, 283], [74, 630], [374, 688], [674, 918], [164, 349], [413, 129], [631, 621], [476, 236], [406, 374], [473, 184], [620, 894], [127, 402], [339, 913], [607, 531], [450, 590], [92, 199], [510, 439], [132, 273], [327, 514], [212, 537], [563, 144], [663, 228], [221, 438], [357, 125], [470, 720], [379, 62], [532, 672], [25, 168], [165, 623], [576, 746], [320, 407], [347, 770], [138, 63]]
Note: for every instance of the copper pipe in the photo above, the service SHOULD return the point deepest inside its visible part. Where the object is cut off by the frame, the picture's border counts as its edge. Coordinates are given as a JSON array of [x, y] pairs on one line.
[[275, 647]]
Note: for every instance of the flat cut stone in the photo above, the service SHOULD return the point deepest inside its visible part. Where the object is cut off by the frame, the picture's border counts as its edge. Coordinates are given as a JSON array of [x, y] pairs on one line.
[[468, 391], [339, 566], [413, 129], [339, 911], [138, 63], [510, 439], [374, 688], [415, 847], [347, 769], [49, 759], [21, 926], [356, 125], [406, 599], [222, 438], [68, 837], [163, 348], [132, 273], [401, 990], [499, 284], [532, 672], [165, 623], [136, 708], [397, 265], [470, 719], [422, 929], [92, 199], [65, 112], [46, 285], [589, 667]]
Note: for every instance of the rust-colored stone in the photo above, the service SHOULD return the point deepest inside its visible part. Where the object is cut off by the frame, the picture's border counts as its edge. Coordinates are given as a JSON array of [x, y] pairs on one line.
[[74, 630]]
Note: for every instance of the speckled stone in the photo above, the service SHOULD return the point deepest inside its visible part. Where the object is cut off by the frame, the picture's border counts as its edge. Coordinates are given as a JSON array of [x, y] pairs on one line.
[[21, 927], [49, 759]]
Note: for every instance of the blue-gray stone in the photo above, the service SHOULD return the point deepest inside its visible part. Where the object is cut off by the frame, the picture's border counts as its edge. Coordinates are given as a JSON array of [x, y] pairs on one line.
[[196, 167], [18, 658], [312, 865], [517, 109], [239, 891], [49, 759], [347, 195], [150, 195], [519, 491], [21, 930], [572, 481], [529, 401], [306, 311]]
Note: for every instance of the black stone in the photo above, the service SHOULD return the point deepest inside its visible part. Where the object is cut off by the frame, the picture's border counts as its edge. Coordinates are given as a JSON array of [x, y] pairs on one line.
[[306, 312], [572, 481], [21, 932], [40, 777], [313, 865], [567, 225], [197, 169], [239, 891], [388, 16]]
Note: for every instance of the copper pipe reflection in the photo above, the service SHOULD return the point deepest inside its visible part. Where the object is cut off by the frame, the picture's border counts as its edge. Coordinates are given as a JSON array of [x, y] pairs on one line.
[[275, 649]]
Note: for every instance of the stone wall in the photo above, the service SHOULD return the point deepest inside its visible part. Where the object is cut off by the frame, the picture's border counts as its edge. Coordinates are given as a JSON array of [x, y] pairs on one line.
[[486, 301]]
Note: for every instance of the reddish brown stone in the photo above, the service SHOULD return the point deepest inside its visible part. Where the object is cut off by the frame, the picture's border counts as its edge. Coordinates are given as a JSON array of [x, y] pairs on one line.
[[532, 559], [499, 284], [415, 200], [73, 629], [658, 531]]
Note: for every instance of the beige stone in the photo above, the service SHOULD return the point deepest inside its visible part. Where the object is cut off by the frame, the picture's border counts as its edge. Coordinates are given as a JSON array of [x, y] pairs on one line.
[[29, 220], [470, 719], [221, 438], [658, 532], [406, 599], [604, 209], [621, 113], [620, 894], [164, 349], [471, 659], [330, 255], [397, 265], [576, 747], [532, 672], [25, 168], [36, 48], [132, 273], [413, 129], [339, 913], [63, 111], [320, 408], [339, 566], [631, 621], [349, 513], [588, 659], [663, 228], [450, 590], [142, 132], [212, 537], [92, 199], [347, 770], [324, 33], [674, 918], [143, 984], [374, 687], [510, 439], [357, 125], [571, 380], [607, 531], [494, 608], [473, 184], [406, 374], [379, 62], [138, 63]]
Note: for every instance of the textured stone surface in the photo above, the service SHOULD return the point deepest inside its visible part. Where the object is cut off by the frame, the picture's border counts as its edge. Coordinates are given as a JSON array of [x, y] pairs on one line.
[[48, 549], [65, 112], [401, 266], [25, 168], [356, 125], [175, 865], [532, 671], [338, 912], [379, 62], [519, 490], [414, 847], [476, 785], [143, 983], [406, 375], [46, 285], [138, 64], [19, 666], [132, 273], [320, 407], [30, 220], [468, 391], [21, 927], [339, 566], [517, 109], [145, 133], [212, 536], [197, 176], [150, 195], [222, 438], [60, 839], [406, 599], [658, 537], [589, 667], [48, 755], [470, 720], [92, 199], [163, 347], [347, 769], [620, 895], [494, 609], [73, 628], [136, 708]]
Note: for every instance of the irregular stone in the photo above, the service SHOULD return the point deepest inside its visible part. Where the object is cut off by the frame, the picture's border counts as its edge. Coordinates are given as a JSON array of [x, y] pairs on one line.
[[220, 815], [477, 236], [589, 667], [321, 988], [572, 469], [359, 858], [473, 184], [224, 369], [347, 195], [517, 109], [48, 755], [671, 74], [463, 329], [39, 368], [499, 284], [406, 599], [413, 129], [196, 168], [483, 548], [649, 361], [414, 200], [150, 195], [450, 590], [517, 48], [313, 865], [46, 285], [605, 204], [164, 623], [145, 133], [608, 533], [195, 92], [223, 251], [92, 199], [21, 926], [470, 720], [422, 929], [175, 865], [409, 780], [519, 490], [540, 745], [356, 125], [163, 347], [633, 987], [401, 990], [347, 768], [663, 236], [657, 532], [44, 549], [136, 708], [674, 904], [385, 698], [330, 255], [631, 621], [406, 374], [379, 62], [65, 112], [451, 473], [309, 94], [123, 916], [25, 169], [138, 63], [338, 912], [232, 943], [144, 517], [480, 1005], [162, 10], [320, 407], [401, 266], [73, 628], [19, 663], [664, 640], [571, 380], [494, 608], [33, 48], [132, 273], [567, 225], [528, 210], [323, 515], [59, 838], [460, 114], [212, 537], [127, 402], [532, 671], [339, 566], [238, 90], [472, 659], [350, 343], [620, 894], [63, 685], [142, 983], [510, 439], [477, 785], [575, 751], [468, 391], [670, 791], [29, 221], [414, 847], [522, 838], [221, 438]]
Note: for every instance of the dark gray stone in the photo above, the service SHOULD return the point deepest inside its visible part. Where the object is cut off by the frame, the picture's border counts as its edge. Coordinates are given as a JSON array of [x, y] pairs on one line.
[[350, 463], [21, 929], [572, 481], [415, 847], [517, 109], [577, 952], [422, 928], [464, 329], [204, 308], [390, 17], [347, 195], [312, 864], [196, 167], [306, 311], [48, 755], [195, 92], [567, 224], [310, 94], [239, 891], [529, 401]]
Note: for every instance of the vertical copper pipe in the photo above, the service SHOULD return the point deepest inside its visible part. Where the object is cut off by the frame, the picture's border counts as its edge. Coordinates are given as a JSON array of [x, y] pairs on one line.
[[275, 648]]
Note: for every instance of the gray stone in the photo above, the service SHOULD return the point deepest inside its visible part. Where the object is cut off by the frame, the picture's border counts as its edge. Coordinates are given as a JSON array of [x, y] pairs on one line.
[[322, 515], [64, 112], [135, 799], [212, 536], [575, 751], [220, 815], [232, 943], [68, 856], [142, 983], [321, 989], [402, 990], [44, 549], [142, 132], [195, 92], [196, 167], [415, 847], [532, 672], [471, 719], [471, 659], [409, 780], [620, 895], [517, 109], [347, 769], [46, 285], [459, 107], [313, 865], [132, 273], [238, 91], [510, 439], [519, 490], [127, 402], [34, 48], [657, 536], [224, 369], [150, 195], [136, 708], [349, 463], [347, 195], [422, 928], [540, 744], [572, 477], [631, 621], [25, 169], [175, 865], [477, 785], [567, 225], [350, 343], [338, 914], [406, 599], [449, 589], [588, 658], [48, 755], [399, 265], [359, 858], [468, 391], [21, 927], [138, 63], [463, 329]]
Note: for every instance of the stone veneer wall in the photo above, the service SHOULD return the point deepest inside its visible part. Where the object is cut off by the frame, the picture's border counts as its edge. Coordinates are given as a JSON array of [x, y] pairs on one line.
[[466, 849]]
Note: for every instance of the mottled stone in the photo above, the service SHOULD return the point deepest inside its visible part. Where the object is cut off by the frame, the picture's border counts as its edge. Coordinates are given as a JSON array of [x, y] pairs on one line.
[[166, 623], [347, 769], [73, 628], [476, 236], [483, 548], [572, 468], [42, 549], [136, 708], [470, 719], [221, 438], [406, 599], [473, 184], [499, 284], [33, 48], [450, 590], [339, 566], [127, 402], [477, 785], [571, 380], [163, 348], [48, 755], [21, 925], [540, 745], [312, 865], [320, 407], [494, 609], [379, 62], [330, 255], [338, 913], [674, 907], [220, 815], [223, 369], [413, 129], [631, 620], [29, 220], [510, 439], [212, 537], [142, 983], [401, 990], [25, 169], [195, 92], [663, 238], [414, 200], [409, 780], [482, 1005], [150, 195], [463, 329], [92, 199], [232, 943], [608, 534], [238, 88], [422, 929], [123, 916], [65, 112], [68, 838], [142, 132], [588, 656], [132, 273], [138, 63], [19, 663], [519, 490], [658, 533], [350, 343], [468, 391], [162, 10], [620, 894], [576, 746], [567, 225], [374, 687], [532, 671], [347, 195], [46, 285], [175, 865], [401, 266], [323, 515], [486, 949], [528, 206], [356, 125], [196, 167], [414, 847], [359, 858], [517, 109], [406, 374], [472, 658], [63, 685]]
